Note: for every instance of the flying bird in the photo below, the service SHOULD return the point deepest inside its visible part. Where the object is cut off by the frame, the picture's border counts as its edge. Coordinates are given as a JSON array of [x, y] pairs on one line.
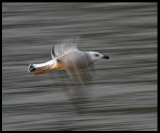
[[66, 56]]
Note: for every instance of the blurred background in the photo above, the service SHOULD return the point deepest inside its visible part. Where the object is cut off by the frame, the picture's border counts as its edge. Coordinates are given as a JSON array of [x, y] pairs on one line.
[[122, 94]]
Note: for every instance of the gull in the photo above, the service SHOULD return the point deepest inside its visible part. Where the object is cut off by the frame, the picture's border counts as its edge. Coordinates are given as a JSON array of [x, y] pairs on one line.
[[66, 56]]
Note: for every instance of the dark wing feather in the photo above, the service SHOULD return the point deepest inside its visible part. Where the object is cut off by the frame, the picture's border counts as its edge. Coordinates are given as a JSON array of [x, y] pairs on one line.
[[52, 52]]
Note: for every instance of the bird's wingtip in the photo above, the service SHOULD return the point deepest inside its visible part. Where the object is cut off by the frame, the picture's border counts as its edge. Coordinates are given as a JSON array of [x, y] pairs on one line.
[[31, 68]]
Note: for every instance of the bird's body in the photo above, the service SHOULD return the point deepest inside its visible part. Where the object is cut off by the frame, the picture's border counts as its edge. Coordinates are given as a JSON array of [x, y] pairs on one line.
[[66, 56]]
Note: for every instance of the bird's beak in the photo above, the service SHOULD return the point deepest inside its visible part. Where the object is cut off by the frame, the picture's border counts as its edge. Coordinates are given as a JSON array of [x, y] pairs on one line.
[[105, 57]]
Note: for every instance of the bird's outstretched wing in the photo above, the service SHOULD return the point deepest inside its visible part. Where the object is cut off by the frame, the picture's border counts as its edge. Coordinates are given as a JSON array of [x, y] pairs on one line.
[[76, 62], [64, 48], [77, 65]]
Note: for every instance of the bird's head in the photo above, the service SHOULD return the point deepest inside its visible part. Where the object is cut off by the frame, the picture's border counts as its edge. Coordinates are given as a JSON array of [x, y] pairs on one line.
[[96, 55]]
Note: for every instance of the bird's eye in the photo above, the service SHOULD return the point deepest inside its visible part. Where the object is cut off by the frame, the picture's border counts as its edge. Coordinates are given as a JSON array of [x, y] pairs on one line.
[[96, 55]]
